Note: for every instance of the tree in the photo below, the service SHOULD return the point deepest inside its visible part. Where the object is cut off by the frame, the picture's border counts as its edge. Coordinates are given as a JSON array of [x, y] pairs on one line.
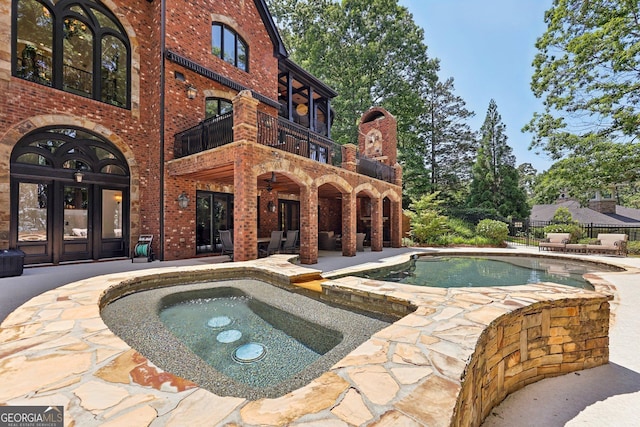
[[440, 159], [594, 165], [588, 71], [495, 182], [450, 141], [371, 52], [527, 177]]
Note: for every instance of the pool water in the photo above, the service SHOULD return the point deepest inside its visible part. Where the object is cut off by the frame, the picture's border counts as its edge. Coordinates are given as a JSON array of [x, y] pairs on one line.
[[483, 271], [246, 339]]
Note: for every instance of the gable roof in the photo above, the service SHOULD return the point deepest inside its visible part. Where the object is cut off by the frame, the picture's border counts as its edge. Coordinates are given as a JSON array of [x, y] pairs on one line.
[[585, 215], [279, 49]]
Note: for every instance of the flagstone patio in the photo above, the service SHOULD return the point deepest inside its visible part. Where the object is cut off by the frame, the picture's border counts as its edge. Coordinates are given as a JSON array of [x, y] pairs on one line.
[[452, 355]]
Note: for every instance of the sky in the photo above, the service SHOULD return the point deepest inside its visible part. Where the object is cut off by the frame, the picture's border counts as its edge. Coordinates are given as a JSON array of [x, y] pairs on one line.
[[488, 47]]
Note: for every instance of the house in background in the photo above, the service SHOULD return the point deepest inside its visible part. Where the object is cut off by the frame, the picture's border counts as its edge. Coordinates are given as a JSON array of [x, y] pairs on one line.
[[601, 210], [176, 119]]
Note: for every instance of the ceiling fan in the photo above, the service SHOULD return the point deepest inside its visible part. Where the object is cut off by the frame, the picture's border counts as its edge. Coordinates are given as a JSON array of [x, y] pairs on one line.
[[270, 181]]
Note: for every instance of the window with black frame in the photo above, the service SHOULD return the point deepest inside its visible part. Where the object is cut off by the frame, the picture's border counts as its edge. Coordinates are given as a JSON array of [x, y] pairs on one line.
[[76, 46], [227, 45], [215, 107]]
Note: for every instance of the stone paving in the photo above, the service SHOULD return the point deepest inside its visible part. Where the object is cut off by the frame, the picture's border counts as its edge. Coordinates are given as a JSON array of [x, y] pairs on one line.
[[56, 350]]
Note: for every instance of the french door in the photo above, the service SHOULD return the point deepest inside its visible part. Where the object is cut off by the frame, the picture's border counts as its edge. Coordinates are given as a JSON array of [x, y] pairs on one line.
[[59, 222]]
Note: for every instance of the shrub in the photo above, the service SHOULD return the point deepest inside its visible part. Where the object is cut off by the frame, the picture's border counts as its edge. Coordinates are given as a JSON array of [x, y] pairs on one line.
[[461, 228], [563, 215], [573, 229], [496, 231], [427, 224], [633, 248]]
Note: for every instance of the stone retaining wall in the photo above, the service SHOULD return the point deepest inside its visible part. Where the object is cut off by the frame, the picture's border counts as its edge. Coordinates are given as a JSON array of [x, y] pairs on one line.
[[543, 340]]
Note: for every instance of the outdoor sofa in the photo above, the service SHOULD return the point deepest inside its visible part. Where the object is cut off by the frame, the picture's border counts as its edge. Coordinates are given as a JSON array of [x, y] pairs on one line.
[[609, 243], [554, 242]]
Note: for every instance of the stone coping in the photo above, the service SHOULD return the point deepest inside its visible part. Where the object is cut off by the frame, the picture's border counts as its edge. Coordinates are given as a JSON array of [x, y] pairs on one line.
[[56, 350]]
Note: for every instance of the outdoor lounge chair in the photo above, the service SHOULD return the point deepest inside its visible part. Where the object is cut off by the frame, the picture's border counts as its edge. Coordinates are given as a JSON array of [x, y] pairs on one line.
[[274, 244], [554, 242], [290, 245], [227, 242], [326, 241], [609, 243]]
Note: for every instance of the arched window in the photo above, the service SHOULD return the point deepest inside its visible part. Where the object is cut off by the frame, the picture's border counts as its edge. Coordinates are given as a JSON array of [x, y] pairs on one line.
[[229, 46], [74, 45], [217, 106]]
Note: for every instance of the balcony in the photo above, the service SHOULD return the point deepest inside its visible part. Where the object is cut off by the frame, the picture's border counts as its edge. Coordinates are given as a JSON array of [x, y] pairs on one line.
[[279, 133]]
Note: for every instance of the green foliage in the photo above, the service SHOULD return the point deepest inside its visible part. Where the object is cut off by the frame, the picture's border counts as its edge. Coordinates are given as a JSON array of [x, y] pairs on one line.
[[496, 182], [587, 70], [563, 215], [474, 215], [373, 53], [427, 224], [496, 231], [594, 165], [633, 248], [461, 228], [573, 229]]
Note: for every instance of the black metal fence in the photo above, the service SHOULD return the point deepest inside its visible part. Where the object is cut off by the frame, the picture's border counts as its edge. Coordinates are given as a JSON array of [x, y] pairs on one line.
[[291, 137], [529, 233], [210, 133]]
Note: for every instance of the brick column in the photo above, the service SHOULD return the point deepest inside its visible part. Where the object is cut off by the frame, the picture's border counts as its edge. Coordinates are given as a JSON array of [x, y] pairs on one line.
[[349, 157], [396, 224], [245, 117], [398, 175], [245, 209], [309, 224], [376, 224], [349, 225]]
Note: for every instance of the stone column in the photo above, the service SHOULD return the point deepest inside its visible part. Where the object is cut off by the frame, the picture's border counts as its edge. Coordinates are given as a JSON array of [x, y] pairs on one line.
[[309, 224], [376, 224], [349, 225]]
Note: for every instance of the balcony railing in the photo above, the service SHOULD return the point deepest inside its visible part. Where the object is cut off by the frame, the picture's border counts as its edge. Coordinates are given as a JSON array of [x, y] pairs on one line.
[[279, 133], [210, 133], [375, 169], [284, 135]]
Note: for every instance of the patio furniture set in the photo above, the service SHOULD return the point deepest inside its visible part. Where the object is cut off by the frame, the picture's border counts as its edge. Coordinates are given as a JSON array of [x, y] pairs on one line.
[[606, 243]]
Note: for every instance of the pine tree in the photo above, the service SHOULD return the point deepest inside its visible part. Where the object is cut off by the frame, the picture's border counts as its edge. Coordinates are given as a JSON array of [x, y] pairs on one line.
[[495, 184]]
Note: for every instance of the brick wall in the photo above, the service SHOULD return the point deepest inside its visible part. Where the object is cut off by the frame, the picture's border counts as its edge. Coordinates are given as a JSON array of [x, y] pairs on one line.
[[27, 106]]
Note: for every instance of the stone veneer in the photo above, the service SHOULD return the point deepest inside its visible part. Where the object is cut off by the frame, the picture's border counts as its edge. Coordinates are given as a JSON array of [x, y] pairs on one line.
[[448, 362]]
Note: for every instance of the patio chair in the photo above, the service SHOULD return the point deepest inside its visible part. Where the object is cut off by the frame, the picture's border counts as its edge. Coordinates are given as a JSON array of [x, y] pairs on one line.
[[274, 244], [290, 245], [360, 242], [227, 242]]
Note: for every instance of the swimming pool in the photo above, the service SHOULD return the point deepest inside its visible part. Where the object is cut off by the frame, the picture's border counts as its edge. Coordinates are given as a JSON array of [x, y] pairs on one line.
[[487, 270]]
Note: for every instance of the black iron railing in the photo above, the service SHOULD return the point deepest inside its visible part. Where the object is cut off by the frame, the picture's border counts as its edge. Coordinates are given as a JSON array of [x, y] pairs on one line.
[[529, 233], [210, 133], [284, 135], [279, 133]]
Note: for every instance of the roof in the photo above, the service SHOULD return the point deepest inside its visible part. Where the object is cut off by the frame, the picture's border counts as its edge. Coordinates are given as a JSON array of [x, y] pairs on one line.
[[585, 215]]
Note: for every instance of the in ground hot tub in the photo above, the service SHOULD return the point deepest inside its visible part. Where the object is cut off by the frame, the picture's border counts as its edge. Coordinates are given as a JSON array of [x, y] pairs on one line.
[[244, 338]]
